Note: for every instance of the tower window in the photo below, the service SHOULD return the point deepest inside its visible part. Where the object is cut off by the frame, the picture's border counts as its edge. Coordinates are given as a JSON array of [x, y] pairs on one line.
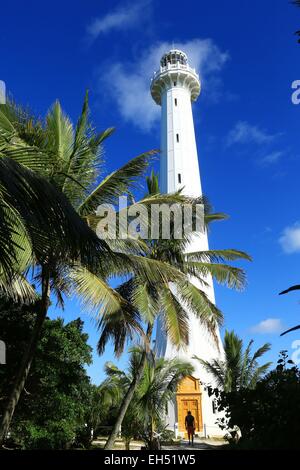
[[175, 83], [177, 137], [175, 101], [214, 406], [179, 178]]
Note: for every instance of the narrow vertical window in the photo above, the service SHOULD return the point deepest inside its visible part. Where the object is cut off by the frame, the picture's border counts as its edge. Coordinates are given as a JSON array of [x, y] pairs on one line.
[[179, 178], [175, 101], [214, 406], [175, 83], [177, 137]]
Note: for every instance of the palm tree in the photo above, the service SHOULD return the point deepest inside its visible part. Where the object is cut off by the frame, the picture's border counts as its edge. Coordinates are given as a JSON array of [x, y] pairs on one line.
[[99, 400], [155, 390], [171, 300], [65, 162], [69, 161], [239, 369], [32, 206]]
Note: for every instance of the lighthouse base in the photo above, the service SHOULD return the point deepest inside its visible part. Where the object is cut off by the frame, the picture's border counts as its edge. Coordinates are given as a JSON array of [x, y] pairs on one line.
[[191, 396]]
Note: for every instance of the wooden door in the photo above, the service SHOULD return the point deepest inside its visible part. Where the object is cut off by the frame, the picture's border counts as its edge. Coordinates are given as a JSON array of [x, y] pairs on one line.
[[191, 405], [188, 398]]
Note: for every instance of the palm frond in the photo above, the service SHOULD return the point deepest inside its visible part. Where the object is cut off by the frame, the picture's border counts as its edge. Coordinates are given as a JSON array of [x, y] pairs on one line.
[[215, 368], [197, 301], [291, 329], [209, 218], [217, 256], [120, 327], [260, 352], [145, 300], [175, 318], [96, 295], [22, 139], [18, 289], [118, 183], [86, 158], [231, 276], [290, 289], [45, 210], [116, 318], [258, 374], [60, 133]]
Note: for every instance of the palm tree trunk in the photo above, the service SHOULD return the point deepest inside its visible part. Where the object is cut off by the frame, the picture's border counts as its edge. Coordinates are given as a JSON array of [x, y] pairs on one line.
[[27, 359], [128, 396], [127, 443], [151, 432]]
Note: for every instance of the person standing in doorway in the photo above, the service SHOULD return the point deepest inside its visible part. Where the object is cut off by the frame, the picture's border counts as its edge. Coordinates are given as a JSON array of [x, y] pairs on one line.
[[190, 427]]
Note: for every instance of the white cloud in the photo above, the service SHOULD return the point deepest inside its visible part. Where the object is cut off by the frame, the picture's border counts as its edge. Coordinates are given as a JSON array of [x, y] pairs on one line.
[[290, 239], [270, 325], [122, 18], [271, 158], [245, 133], [128, 83]]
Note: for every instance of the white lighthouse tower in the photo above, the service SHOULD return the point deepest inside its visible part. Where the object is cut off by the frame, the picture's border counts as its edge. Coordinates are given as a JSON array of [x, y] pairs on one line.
[[174, 87]]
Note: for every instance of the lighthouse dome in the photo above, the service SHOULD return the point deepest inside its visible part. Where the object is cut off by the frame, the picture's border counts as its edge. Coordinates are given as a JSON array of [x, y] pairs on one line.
[[174, 56]]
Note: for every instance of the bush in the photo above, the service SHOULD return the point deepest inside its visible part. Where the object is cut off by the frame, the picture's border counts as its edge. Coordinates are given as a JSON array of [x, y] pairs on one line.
[[56, 401], [167, 436], [269, 415], [56, 435]]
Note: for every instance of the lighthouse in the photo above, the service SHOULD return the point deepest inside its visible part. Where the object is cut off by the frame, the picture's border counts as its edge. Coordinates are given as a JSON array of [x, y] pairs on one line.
[[174, 87]]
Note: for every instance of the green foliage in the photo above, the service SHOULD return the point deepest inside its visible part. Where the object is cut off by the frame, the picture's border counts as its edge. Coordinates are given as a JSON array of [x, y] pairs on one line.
[[73, 260], [56, 435], [161, 285], [56, 401], [167, 436], [268, 415], [48, 185], [239, 368], [48, 172], [152, 183], [161, 282], [32, 203], [156, 389]]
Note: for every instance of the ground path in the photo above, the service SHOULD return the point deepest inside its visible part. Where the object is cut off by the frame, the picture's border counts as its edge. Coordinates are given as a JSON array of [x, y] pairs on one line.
[[199, 444]]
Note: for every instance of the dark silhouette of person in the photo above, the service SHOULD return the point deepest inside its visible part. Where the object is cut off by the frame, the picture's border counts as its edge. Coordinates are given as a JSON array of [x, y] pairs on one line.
[[190, 427]]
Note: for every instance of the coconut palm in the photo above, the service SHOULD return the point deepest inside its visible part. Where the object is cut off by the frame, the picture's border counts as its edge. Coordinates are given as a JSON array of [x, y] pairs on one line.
[[239, 369], [156, 389], [43, 230], [172, 301], [31, 208], [70, 160], [66, 163], [99, 400]]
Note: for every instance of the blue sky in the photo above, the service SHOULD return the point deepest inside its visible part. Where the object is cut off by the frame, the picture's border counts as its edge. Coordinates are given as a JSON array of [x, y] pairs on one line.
[[246, 125]]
